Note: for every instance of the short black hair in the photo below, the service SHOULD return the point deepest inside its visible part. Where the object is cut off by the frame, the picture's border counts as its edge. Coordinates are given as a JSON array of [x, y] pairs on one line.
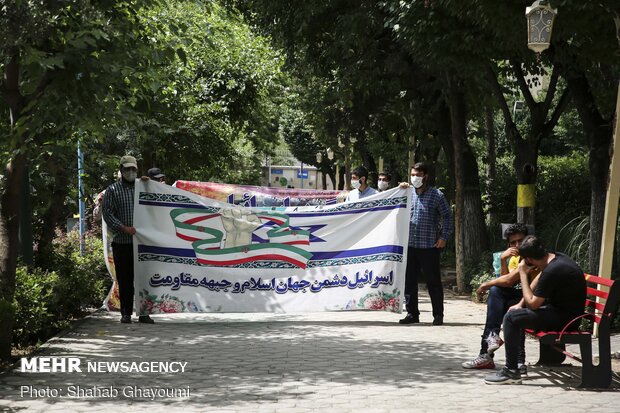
[[360, 171], [387, 175], [421, 166], [532, 247], [517, 228]]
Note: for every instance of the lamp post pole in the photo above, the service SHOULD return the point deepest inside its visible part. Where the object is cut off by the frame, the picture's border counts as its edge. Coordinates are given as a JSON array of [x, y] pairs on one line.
[[540, 25]]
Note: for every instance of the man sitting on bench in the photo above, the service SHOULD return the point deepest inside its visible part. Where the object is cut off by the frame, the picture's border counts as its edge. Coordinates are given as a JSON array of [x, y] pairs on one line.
[[504, 292], [558, 297]]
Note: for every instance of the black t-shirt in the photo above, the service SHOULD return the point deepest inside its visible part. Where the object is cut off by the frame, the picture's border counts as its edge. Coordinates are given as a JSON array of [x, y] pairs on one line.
[[563, 285]]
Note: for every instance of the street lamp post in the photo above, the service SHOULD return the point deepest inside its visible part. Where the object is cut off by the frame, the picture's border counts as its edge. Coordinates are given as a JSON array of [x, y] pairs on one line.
[[540, 24], [330, 156], [540, 17], [319, 159]]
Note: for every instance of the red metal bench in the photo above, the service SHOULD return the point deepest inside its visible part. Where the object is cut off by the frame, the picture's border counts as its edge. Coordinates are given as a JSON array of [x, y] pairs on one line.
[[553, 343]]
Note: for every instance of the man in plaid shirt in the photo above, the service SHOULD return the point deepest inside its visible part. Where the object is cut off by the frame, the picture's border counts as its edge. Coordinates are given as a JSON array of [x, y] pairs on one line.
[[429, 228], [118, 214]]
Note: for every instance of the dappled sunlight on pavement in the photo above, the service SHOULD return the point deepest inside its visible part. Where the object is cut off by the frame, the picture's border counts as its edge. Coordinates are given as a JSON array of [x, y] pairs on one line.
[[335, 361]]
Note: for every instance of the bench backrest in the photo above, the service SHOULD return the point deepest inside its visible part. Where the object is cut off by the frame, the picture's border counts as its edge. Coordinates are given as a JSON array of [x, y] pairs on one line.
[[609, 293]]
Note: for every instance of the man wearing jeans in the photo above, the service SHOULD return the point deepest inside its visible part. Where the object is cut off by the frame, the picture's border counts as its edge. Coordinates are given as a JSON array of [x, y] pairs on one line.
[[504, 292], [429, 228], [557, 298]]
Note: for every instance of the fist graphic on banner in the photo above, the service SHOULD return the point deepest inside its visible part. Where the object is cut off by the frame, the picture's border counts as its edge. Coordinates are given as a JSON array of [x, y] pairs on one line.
[[239, 225]]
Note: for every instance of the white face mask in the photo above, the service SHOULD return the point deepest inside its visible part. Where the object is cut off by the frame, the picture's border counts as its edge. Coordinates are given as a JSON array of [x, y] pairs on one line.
[[417, 181], [356, 184], [130, 176], [382, 185]]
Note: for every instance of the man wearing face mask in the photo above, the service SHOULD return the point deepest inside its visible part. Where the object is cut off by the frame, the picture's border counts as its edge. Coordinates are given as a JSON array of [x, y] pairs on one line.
[[118, 214], [359, 183], [383, 181], [429, 228]]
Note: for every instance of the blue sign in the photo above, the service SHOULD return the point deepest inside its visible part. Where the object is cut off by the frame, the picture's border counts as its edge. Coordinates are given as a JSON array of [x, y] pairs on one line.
[[277, 171], [302, 175]]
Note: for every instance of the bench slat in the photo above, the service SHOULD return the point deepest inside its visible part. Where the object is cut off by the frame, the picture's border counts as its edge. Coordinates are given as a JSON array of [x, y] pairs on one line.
[[599, 280], [597, 293], [598, 307], [556, 333]]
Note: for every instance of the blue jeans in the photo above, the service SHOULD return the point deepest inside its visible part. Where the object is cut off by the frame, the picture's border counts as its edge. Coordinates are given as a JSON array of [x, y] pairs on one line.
[[498, 302]]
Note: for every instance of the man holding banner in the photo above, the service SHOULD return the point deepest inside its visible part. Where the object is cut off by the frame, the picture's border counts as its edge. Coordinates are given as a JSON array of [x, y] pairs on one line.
[[359, 183], [429, 228], [118, 208]]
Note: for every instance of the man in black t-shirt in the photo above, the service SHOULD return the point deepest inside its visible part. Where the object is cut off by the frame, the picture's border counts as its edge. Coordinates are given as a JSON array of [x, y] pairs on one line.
[[552, 300]]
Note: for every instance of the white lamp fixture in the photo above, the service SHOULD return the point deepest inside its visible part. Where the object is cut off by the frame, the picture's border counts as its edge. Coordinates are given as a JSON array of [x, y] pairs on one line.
[[540, 17]]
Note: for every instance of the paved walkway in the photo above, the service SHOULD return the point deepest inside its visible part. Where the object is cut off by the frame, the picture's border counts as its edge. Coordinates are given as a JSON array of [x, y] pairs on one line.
[[328, 362]]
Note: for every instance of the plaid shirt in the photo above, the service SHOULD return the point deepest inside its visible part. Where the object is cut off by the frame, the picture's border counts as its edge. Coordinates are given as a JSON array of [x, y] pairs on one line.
[[118, 210], [426, 210]]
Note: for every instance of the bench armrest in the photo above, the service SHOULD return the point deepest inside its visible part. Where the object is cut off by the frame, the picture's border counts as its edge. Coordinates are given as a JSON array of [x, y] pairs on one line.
[[571, 322]]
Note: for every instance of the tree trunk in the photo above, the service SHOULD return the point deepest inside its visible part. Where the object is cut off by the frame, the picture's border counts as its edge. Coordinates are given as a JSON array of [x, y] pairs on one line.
[[456, 103], [25, 221], [52, 218], [526, 150], [526, 167], [9, 245], [491, 169], [444, 132], [475, 240], [341, 178], [10, 198], [599, 132]]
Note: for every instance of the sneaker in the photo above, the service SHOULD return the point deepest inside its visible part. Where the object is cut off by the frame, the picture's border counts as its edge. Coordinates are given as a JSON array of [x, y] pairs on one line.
[[145, 319], [523, 369], [409, 319], [504, 376], [126, 319], [483, 361], [494, 342]]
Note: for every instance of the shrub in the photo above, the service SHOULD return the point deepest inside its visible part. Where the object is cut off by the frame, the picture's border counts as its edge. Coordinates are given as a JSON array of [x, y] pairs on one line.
[[478, 272], [33, 296], [83, 280], [45, 301]]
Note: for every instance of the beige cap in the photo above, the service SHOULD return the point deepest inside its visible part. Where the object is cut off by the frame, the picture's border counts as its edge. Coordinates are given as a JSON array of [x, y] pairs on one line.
[[129, 161]]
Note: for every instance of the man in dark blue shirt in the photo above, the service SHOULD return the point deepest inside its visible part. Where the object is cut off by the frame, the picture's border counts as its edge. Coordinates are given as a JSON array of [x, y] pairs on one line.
[[429, 228]]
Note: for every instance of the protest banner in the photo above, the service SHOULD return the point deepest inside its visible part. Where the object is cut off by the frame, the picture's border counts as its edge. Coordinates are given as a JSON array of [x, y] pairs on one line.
[[244, 195], [195, 254]]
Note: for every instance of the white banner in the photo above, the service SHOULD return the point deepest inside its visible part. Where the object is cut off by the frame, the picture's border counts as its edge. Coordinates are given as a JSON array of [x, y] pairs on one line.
[[195, 254]]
